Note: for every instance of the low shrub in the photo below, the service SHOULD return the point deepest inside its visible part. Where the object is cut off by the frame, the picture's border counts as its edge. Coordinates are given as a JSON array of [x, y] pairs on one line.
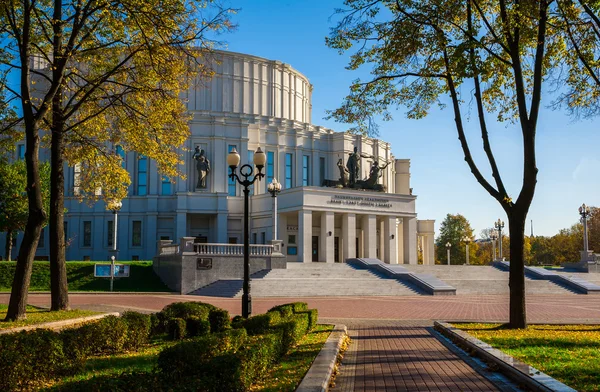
[[30, 358], [138, 329], [125, 382], [156, 324], [219, 320], [313, 317], [186, 310], [292, 331], [105, 336], [261, 323], [197, 327], [176, 328], [286, 310], [189, 359], [238, 322]]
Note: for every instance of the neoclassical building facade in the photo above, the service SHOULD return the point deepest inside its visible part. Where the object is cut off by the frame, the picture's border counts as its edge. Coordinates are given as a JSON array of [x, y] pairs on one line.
[[253, 102]]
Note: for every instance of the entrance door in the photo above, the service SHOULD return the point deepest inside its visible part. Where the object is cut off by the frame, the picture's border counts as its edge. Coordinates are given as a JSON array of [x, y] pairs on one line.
[[357, 248], [336, 249], [315, 248]]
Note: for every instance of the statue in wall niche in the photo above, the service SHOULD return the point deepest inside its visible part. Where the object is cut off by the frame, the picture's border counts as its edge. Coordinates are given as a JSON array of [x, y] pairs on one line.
[[202, 165]]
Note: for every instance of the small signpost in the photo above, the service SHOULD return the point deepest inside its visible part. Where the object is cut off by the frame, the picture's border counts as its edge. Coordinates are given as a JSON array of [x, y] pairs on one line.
[[111, 271]]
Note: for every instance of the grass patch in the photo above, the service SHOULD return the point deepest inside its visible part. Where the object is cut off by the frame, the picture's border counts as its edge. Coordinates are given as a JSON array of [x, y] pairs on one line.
[[569, 353], [287, 374], [80, 277], [38, 316]]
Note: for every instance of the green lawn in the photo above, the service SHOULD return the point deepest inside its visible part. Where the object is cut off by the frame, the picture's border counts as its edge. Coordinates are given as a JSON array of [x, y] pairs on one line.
[[38, 316], [80, 275], [285, 376], [569, 353]]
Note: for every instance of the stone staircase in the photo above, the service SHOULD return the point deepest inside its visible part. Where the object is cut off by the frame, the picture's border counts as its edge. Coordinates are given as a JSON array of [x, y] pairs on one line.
[[479, 279], [313, 280]]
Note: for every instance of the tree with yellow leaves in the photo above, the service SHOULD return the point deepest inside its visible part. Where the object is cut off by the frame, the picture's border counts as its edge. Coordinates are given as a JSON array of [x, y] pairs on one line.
[[97, 74]]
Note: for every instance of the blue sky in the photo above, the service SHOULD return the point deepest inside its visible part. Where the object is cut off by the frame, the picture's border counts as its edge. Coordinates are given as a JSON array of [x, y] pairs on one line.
[[568, 151]]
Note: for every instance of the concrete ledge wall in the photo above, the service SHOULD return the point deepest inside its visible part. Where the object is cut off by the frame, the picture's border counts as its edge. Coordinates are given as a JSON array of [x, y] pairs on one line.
[[180, 272]]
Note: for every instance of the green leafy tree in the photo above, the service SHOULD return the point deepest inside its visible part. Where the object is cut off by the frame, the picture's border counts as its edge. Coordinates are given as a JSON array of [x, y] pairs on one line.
[[97, 74], [493, 54], [594, 229], [13, 198], [454, 229]]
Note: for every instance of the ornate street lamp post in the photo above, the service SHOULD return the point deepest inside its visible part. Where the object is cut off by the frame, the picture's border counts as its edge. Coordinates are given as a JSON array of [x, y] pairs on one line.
[[467, 241], [274, 188], [448, 246], [115, 207], [246, 171], [584, 211], [499, 225]]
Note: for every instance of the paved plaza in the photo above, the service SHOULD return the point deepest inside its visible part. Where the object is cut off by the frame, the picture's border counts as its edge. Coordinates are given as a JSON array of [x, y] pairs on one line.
[[394, 347]]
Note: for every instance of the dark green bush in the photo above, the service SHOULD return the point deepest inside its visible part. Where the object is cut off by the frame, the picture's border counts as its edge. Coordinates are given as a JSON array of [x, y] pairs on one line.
[[219, 320], [105, 336], [197, 327], [30, 358], [313, 317], [286, 310], [188, 359], [261, 323], [186, 310], [156, 324], [176, 328], [292, 331], [125, 382], [238, 322], [138, 329]]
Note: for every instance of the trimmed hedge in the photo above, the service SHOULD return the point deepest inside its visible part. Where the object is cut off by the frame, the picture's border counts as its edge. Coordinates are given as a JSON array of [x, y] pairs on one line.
[[176, 328], [219, 320], [138, 329], [197, 327], [260, 324], [106, 336], [185, 310]]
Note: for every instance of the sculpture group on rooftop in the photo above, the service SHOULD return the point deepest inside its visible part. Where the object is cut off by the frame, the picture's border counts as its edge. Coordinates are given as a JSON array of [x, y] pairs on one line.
[[350, 173]]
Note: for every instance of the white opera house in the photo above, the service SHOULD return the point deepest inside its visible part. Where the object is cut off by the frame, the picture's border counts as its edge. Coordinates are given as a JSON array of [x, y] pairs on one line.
[[253, 102]]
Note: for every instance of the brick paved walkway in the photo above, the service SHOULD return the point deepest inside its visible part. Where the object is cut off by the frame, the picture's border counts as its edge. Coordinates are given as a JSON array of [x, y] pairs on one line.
[[402, 356]]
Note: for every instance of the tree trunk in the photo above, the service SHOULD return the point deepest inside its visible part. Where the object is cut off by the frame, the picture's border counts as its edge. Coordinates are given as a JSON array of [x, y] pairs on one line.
[[58, 270], [8, 248], [516, 228], [37, 216]]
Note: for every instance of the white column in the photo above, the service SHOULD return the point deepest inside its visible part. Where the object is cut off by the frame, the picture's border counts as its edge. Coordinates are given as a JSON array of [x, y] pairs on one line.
[[222, 228], [429, 245], [326, 245], [410, 240], [390, 240], [349, 236], [282, 230], [369, 225], [305, 236]]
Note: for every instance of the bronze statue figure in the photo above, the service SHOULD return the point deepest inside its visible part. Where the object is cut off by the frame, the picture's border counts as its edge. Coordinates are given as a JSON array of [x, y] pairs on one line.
[[353, 165], [202, 165], [343, 181]]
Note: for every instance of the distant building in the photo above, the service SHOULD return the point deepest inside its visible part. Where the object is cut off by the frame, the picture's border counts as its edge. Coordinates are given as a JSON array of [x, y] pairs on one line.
[[254, 102]]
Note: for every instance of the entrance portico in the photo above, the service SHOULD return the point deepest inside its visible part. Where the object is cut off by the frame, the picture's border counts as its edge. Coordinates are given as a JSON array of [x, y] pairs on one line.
[[332, 225]]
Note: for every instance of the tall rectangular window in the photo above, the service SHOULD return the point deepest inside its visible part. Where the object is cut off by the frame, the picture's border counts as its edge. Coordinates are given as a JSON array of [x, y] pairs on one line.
[[110, 233], [321, 171], [121, 153], [87, 233], [231, 187], [288, 171], [305, 170], [270, 168], [166, 186], [136, 234], [142, 177], [21, 152], [251, 163]]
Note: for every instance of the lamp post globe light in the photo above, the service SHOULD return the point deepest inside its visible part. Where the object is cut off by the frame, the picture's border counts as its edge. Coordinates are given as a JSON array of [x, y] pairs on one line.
[[246, 171], [448, 246], [584, 211], [467, 241], [499, 225], [274, 188], [115, 207]]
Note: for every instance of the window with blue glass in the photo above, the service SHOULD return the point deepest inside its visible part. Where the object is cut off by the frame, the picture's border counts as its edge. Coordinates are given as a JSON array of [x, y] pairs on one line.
[[166, 186], [142, 177], [305, 170], [251, 163], [270, 168], [121, 153], [288, 171], [21, 152], [231, 188]]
